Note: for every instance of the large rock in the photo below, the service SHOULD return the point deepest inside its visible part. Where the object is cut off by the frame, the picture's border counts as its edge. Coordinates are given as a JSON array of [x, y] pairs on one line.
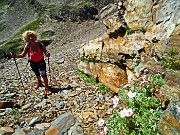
[[61, 125], [149, 25], [109, 74]]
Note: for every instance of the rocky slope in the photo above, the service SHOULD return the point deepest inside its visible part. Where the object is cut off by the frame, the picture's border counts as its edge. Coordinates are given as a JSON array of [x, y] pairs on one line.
[[70, 92], [25, 111]]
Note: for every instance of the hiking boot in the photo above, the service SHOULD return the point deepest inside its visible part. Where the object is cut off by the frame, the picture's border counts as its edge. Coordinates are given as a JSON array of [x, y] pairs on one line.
[[39, 84], [47, 91]]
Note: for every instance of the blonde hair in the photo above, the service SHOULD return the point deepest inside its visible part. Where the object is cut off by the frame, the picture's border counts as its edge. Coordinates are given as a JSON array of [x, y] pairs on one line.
[[25, 35]]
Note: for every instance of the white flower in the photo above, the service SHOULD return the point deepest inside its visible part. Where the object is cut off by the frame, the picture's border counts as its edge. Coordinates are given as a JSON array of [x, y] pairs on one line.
[[126, 113], [131, 95], [101, 122], [115, 101], [123, 113], [129, 112]]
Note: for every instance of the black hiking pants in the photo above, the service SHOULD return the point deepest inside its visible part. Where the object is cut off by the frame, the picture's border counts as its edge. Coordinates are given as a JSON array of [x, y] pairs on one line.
[[39, 68]]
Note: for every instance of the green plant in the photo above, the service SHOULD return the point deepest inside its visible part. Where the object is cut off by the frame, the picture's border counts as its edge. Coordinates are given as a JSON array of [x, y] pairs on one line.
[[49, 6], [82, 4], [172, 61], [2, 26], [2, 122], [129, 30], [47, 34], [89, 59], [139, 110], [102, 87], [15, 111], [90, 79], [3, 3], [172, 53], [157, 80], [83, 58], [86, 77]]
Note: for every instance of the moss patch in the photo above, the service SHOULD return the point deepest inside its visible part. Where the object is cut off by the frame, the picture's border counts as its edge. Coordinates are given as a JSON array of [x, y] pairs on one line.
[[34, 25], [13, 46]]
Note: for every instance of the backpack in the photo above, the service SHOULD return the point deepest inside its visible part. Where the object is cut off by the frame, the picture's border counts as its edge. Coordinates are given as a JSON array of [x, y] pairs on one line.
[[28, 47]]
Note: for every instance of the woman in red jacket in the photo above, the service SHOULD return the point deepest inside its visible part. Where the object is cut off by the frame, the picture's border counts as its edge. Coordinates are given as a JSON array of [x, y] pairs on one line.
[[36, 52]]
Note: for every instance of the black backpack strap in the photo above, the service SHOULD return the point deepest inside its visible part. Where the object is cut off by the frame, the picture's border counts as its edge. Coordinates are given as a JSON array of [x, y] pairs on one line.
[[41, 46], [28, 48]]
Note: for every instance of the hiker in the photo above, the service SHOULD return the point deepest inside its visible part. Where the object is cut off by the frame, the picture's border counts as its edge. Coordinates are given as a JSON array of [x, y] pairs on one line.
[[35, 51]]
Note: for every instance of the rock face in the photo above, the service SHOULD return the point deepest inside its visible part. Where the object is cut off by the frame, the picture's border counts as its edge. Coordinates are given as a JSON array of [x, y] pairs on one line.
[[169, 122], [136, 29]]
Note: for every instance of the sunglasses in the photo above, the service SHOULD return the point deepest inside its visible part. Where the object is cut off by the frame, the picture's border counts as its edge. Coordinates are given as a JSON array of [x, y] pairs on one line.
[[29, 35]]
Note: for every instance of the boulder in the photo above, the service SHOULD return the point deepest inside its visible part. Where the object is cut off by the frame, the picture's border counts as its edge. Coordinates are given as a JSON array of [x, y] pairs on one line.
[[61, 125]]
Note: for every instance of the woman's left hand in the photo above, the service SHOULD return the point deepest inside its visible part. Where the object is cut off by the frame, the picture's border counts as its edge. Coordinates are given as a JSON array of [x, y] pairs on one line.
[[47, 54]]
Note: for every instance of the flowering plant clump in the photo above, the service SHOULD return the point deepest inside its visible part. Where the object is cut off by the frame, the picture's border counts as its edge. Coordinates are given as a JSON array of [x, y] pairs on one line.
[[138, 111]]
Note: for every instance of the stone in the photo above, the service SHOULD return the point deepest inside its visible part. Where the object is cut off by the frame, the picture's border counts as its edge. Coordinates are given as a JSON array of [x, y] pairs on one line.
[[35, 120], [26, 106], [75, 130], [6, 130], [172, 78], [63, 123], [85, 115], [41, 104], [109, 9], [19, 131], [136, 10], [35, 132], [42, 126], [60, 61]]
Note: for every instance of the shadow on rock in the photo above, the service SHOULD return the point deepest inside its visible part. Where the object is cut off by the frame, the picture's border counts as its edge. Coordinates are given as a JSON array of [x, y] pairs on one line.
[[56, 90]]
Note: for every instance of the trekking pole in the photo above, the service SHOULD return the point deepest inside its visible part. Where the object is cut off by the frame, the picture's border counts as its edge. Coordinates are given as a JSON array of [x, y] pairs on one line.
[[49, 70], [18, 71], [29, 74]]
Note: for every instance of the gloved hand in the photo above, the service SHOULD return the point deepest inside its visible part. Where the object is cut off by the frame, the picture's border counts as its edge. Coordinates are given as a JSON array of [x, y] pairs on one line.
[[8, 56], [47, 54]]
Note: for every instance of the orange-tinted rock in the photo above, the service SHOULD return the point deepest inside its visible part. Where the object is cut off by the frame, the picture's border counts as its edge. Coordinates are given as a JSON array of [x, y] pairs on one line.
[[110, 75], [52, 131], [6, 105]]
